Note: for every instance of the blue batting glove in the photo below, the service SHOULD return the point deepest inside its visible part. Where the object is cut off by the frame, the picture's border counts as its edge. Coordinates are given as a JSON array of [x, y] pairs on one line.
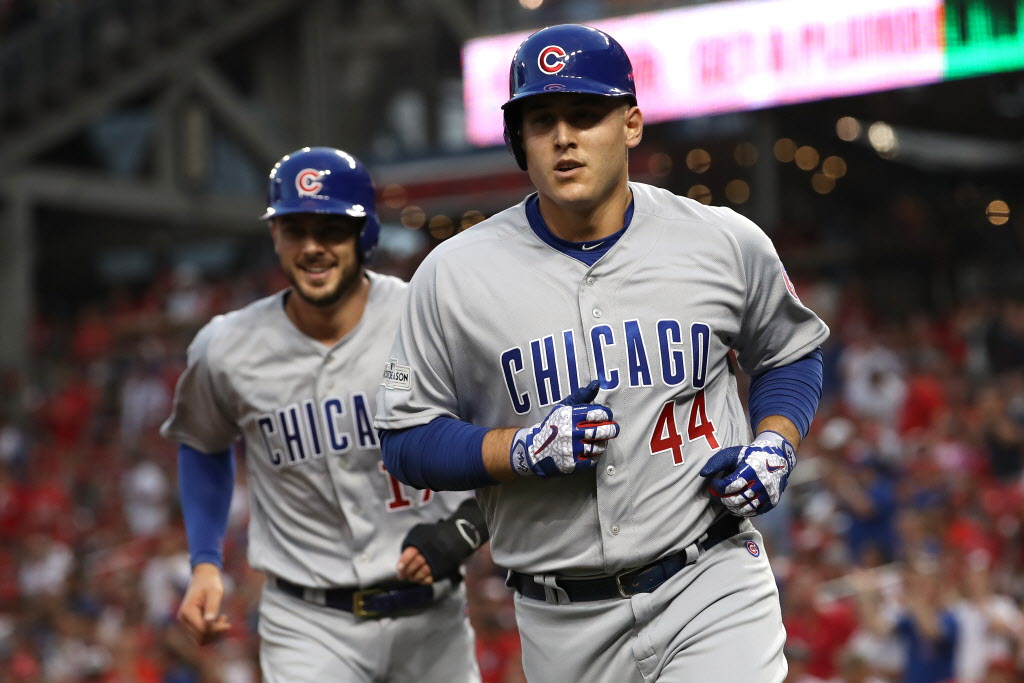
[[752, 477], [573, 434]]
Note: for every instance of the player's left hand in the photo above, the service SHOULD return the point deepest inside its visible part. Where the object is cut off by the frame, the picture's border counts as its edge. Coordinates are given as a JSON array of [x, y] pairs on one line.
[[412, 566], [431, 552], [749, 480]]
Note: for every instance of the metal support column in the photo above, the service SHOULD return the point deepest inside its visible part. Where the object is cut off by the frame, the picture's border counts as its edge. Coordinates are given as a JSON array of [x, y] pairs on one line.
[[16, 258]]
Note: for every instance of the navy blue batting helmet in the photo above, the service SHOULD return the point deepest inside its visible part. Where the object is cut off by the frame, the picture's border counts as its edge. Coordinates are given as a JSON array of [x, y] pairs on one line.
[[564, 58], [325, 180]]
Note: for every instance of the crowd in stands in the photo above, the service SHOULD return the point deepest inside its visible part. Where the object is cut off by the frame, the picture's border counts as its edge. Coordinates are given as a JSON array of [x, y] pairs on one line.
[[897, 548]]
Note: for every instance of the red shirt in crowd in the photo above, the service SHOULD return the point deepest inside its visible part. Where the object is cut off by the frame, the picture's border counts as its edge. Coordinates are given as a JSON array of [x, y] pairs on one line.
[[497, 655], [825, 630]]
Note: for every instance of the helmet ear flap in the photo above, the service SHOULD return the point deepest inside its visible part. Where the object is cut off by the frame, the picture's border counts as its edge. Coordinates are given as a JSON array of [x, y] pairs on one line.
[[514, 135]]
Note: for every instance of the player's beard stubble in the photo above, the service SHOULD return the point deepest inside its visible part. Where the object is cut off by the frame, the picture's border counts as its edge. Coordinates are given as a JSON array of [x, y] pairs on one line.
[[348, 281]]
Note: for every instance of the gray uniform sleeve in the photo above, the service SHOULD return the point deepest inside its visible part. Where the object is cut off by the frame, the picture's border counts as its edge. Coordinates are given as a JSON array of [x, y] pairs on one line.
[[776, 328], [418, 384], [199, 417]]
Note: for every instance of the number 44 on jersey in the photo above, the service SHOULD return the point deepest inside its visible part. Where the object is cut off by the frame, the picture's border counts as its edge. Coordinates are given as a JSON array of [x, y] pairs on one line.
[[667, 437]]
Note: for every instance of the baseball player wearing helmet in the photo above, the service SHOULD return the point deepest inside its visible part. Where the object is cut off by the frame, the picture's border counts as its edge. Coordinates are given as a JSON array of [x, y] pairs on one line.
[[574, 355], [363, 579]]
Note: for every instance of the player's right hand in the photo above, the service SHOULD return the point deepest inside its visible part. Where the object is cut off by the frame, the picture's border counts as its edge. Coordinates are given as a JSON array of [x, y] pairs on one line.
[[200, 612], [570, 438]]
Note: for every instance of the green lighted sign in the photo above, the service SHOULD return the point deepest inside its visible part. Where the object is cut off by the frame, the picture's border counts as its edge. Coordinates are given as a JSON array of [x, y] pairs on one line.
[[983, 36]]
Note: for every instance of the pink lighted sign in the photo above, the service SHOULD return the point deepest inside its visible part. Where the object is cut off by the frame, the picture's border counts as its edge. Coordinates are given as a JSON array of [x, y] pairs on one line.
[[740, 55]]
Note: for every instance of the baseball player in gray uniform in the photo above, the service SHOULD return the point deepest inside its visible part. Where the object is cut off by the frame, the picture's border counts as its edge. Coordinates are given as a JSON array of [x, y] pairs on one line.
[[572, 358], [295, 375]]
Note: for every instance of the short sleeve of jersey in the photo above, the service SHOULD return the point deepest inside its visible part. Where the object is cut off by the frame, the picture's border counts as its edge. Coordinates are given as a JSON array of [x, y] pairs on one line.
[[199, 418], [418, 384], [776, 329]]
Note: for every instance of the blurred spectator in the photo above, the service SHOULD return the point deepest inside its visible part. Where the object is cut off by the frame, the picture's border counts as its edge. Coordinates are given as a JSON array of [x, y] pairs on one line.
[[165, 578], [67, 414], [798, 654], [188, 300], [93, 337], [1002, 436], [816, 629], [13, 444], [925, 397], [46, 565], [145, 401], [991, 625], [872, 374], [865, 490], [75, 654], [924, 624], [855, 668], [145, 492]]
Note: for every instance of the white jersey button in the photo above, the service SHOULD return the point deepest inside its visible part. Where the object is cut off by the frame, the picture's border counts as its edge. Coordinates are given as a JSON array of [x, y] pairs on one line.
[[365, 557], [610, 470], [615, 529], [591, 281], [597, 312]]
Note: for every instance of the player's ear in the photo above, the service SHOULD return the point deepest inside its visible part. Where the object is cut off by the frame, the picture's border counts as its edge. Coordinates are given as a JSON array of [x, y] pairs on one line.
[[633, 121]]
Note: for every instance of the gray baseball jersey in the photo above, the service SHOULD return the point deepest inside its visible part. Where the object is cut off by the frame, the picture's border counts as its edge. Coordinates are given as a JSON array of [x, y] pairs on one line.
[[324, 511], [500, 326]]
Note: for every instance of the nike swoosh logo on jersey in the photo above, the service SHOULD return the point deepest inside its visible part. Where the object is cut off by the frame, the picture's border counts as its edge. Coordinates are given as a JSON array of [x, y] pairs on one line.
[[592, 246], [554, 433]]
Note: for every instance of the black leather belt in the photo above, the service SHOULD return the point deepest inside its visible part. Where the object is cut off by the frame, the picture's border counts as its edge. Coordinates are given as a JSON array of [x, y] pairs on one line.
[[640, 580], [366, 602]]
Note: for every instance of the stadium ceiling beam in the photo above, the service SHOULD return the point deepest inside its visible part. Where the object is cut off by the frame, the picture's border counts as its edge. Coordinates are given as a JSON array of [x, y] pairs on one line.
[[87, 191], [58, 125], [229, 105]]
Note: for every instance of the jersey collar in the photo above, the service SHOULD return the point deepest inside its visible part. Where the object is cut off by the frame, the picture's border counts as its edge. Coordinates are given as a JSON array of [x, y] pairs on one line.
[[586, 252]]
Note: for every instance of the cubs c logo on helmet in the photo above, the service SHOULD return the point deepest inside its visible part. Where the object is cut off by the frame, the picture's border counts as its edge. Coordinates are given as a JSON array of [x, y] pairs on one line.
[[308, 182], [552, 59]]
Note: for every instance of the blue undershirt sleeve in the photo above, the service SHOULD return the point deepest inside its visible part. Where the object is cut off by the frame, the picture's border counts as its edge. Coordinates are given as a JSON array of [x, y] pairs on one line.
[[792, 391], [444, 455], [205, 483]]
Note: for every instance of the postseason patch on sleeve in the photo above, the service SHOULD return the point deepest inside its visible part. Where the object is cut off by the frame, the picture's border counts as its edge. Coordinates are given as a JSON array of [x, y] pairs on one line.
[[397, 376]]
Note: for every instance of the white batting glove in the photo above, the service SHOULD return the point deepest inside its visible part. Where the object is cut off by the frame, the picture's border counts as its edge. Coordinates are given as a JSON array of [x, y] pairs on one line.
[[749, 480], [574, 433]]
